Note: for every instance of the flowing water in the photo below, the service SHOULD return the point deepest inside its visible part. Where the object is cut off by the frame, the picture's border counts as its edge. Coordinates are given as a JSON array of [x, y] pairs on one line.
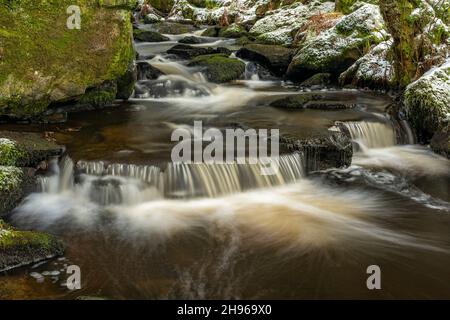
[[140, 226]]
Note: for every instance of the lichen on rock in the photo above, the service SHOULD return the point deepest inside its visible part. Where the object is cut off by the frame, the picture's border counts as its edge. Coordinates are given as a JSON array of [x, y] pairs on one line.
[[337, 48]]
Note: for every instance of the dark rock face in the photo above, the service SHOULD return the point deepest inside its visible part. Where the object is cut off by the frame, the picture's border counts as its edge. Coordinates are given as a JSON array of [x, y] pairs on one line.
[[162, 88], [145, 71], [219, 68], [149, 36], [188, 52], [173, 27], [275, 58]]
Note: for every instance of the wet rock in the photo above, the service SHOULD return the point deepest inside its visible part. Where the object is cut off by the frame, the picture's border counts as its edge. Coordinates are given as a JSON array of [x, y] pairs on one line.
[[440, 143], [98, 97], [149, 36], [163, 6], [219, 68], [332, 149], [193, 40], [25, 149], [12, 186], [275, 58], [319, 79], [427, 102], [232, 31], [188, 52], [374, 70], [168, 27], [211, 32], [164, 87], [146, 71], [20, 248], [125, 83], [336, 49]]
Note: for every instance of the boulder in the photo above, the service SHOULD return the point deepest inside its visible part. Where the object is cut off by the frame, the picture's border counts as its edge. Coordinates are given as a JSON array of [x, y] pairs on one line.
[[427, 102], [336, 49], [319, 79], [25, 149], [149, 36], [279, 27], [20, 248], [219, 68], [188, 52], [275, 58], [47, 62], [311, 100], [374, 70], [193, 40], [167, 27], [440, 143], [232, 31]]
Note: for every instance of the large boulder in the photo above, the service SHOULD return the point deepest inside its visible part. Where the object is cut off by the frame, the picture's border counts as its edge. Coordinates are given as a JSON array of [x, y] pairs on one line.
[[20, 248], [219, 68], [275, 58], [374, 70], [337, 48], [427, 102], [47, 62], [280, 25]]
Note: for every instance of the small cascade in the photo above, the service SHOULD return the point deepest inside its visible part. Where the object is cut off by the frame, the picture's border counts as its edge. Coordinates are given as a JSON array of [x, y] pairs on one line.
[[109, 184], [372, 134]]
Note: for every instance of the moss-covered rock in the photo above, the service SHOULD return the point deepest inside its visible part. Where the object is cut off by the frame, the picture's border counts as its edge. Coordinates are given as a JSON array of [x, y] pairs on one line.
[[219, 68], [374, 70], [12, 180], [185, 51], [162, 5], [319, 79], [211, 32], [440, 143], [19, 248], [43, 61], [25, 149], [232, 31], [149, 36], [336, 49], [275, 58], [427, 102]]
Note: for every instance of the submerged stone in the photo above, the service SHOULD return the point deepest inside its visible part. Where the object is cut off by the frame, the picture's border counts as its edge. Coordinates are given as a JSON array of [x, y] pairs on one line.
[[149, 36]]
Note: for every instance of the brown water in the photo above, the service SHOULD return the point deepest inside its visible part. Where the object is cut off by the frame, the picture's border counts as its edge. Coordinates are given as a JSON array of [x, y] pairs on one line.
[[147, 232]]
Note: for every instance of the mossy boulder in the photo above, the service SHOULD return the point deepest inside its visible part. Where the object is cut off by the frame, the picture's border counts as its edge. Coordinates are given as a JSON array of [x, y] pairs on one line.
[[170, 27], [440, 143], [211, 32], [42, 61], [374, 70], [319, 79], [163, 6], [12, 183], [25, 149], [149, 36], [219, 68], [20, 248], [273, 57], [336, 49], [232, 31], [427, 102], [185, 51]]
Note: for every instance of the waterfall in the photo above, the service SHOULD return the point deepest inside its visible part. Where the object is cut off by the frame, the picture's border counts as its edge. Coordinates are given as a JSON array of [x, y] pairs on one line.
[[112, 183], [371, 134]]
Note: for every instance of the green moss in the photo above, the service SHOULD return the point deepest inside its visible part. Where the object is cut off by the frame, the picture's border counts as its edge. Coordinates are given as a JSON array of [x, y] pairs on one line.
[[149, 36], [344, 6], [11, 154], [99, 96], [232, 31], [219, 68], [43, 61], [10, 179]]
